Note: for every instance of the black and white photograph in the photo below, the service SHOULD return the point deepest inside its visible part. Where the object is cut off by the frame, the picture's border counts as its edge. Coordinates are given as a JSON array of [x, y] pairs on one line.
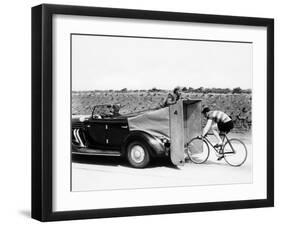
[[141, 112], [158, 112], [128, 112]]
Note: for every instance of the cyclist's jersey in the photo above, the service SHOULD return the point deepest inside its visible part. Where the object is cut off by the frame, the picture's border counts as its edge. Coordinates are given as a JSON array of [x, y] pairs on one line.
[[218, 116]]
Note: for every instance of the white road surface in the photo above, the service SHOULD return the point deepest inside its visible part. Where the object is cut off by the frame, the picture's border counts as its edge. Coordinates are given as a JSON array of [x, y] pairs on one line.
[[108, 173]]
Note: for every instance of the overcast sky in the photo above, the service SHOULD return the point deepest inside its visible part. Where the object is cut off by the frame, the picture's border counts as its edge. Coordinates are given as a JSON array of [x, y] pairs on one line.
[[140, 63]]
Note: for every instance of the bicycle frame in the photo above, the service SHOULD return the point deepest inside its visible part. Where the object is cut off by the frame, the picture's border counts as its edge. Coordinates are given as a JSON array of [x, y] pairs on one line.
[[220, 150], [229, 155]]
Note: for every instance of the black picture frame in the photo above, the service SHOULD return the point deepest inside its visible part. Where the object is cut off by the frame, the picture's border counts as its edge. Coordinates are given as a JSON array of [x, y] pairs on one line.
[[42, 111]]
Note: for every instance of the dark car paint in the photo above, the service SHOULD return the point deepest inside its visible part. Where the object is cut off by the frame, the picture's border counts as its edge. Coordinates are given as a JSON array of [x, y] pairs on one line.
[[110, 134], [156, 147], [106, 133]]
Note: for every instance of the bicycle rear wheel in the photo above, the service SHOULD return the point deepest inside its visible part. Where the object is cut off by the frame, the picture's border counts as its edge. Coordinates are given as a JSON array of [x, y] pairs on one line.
[[235, 152], [198, 150]]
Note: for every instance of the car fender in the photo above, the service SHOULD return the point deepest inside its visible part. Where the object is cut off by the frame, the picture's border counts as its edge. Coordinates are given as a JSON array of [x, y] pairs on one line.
[[156, 147]]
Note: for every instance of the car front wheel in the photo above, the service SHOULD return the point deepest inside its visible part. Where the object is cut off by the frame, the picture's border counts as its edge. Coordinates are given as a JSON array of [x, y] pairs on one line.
[[138, 155]]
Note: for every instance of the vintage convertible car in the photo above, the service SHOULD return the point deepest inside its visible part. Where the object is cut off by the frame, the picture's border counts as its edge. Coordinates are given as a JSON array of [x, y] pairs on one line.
[[106, 132], [139, 136]]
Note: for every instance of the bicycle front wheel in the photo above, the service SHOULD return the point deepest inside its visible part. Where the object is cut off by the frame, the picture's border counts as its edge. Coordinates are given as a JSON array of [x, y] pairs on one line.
[[235, 152], [198, 150]]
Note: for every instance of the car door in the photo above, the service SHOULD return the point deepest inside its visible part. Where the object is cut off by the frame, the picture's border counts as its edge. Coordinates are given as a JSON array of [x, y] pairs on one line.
[[116, 132], [96, 130]]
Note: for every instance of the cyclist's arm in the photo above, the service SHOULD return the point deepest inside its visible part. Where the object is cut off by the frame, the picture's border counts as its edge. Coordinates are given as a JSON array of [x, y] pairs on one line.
[[207, 127]]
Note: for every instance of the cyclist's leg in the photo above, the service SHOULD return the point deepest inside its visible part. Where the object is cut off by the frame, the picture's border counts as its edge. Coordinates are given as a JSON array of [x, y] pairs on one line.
[[225, 128], [215, 131]]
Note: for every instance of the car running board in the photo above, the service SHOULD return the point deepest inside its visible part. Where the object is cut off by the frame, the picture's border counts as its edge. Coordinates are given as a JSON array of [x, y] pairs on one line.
[[87, 151]]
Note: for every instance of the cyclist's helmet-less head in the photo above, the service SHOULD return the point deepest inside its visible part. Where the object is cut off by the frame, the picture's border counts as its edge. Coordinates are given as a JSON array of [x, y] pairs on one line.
[[205, 110]]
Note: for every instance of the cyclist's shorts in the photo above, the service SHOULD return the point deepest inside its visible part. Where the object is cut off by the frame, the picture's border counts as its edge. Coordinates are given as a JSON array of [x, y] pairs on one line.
[[225, 127]]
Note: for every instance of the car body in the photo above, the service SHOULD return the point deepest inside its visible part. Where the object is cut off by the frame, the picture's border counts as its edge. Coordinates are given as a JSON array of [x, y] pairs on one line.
[[106, 132]]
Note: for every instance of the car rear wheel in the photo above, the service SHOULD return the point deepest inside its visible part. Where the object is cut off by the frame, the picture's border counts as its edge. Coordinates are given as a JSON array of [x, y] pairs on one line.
[[137, 154]]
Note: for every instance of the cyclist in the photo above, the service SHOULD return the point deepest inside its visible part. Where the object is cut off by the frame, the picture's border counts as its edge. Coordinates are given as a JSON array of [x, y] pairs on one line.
[[217, 120]]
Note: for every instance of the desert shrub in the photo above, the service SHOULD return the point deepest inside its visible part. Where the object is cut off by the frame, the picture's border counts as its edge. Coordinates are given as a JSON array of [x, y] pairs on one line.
[[154, 89], [237, 90], [124, 90], [247, 91], [184, 89]]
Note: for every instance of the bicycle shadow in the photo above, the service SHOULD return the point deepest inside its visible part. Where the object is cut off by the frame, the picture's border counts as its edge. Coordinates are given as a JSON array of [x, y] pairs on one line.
[[209, 162]]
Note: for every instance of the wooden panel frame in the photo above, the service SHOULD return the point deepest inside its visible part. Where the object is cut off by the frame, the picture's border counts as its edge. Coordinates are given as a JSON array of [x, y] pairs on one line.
[[177, 133]]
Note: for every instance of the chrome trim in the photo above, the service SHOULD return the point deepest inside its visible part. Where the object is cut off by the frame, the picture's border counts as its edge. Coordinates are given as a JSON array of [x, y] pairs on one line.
[[79, 138], [97, 152]]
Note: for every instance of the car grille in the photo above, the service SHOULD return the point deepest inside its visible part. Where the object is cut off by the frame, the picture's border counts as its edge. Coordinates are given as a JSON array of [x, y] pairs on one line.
[[77, 125]]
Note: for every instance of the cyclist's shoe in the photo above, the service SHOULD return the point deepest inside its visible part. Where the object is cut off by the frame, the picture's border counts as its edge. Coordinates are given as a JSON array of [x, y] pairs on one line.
[[220, 157], [218, 146]]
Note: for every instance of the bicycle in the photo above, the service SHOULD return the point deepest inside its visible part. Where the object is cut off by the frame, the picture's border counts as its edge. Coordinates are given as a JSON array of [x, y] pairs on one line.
[[233, 150]]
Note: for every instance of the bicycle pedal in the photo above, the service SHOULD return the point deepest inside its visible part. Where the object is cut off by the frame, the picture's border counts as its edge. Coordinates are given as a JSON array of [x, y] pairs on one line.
[[218, 146], [220, 158]]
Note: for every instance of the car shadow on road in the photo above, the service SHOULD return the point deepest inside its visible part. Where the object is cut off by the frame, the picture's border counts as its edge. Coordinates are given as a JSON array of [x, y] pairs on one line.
[[119, 161], [98, 160]]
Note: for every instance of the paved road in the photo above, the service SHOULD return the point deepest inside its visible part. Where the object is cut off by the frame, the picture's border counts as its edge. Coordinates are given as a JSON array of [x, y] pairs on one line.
[[106, 173]]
